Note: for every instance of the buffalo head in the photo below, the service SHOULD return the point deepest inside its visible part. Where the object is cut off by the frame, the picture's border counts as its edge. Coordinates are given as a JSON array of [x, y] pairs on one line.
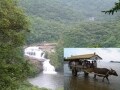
[[113, 72]]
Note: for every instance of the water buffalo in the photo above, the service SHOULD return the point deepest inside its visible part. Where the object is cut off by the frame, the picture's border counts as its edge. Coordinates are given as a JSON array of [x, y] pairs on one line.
[[104, 72]]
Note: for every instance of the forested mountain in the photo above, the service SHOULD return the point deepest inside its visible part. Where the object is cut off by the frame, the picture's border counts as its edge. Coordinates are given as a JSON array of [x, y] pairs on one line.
[[67, 10], [79, 23], [50, 10]]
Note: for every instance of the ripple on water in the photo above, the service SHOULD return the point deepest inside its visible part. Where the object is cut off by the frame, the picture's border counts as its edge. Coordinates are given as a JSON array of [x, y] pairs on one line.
[[82, 83]]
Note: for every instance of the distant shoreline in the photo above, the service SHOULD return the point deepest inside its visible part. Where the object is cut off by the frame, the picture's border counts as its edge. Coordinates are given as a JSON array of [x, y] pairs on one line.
[[115, 61]]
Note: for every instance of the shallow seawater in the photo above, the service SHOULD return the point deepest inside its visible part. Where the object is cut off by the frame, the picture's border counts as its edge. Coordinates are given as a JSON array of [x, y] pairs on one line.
[[88, 83]]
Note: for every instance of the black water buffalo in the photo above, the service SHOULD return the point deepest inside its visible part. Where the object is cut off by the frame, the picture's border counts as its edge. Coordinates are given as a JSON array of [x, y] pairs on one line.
[[104, 72]]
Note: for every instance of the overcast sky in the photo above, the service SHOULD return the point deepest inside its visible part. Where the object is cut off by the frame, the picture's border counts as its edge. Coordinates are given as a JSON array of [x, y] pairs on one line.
[[107, 54]]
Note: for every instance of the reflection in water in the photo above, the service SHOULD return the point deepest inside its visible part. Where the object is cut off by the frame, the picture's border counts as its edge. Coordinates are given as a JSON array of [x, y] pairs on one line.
[[83, 83], [51, 81]]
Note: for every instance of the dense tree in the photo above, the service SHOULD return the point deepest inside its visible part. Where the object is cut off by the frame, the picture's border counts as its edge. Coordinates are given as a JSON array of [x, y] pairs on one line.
[[44, 30], [93, 34], [116, 8], [67, 11], [57, 56], [13, 26]]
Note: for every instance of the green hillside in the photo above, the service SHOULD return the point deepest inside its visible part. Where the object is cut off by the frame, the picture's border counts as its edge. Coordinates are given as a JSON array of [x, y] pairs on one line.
[[67, 10], [77, 22]]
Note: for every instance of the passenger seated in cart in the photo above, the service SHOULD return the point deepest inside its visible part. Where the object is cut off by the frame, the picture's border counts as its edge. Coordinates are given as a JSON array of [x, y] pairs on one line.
[[93, 64], [73, 63], [84, 64], [80, 62], [88, 64]]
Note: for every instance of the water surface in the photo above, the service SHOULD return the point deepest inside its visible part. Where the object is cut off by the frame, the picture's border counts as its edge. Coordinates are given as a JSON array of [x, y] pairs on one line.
[[83, 83], [51, 81]]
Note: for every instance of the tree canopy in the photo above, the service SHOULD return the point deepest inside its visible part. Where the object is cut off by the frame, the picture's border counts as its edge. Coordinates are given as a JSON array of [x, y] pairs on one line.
[[116, 8], [13, 26]]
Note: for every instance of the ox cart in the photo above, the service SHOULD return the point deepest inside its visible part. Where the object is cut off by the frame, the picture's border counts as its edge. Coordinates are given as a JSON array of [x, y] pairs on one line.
[[82, 63]]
